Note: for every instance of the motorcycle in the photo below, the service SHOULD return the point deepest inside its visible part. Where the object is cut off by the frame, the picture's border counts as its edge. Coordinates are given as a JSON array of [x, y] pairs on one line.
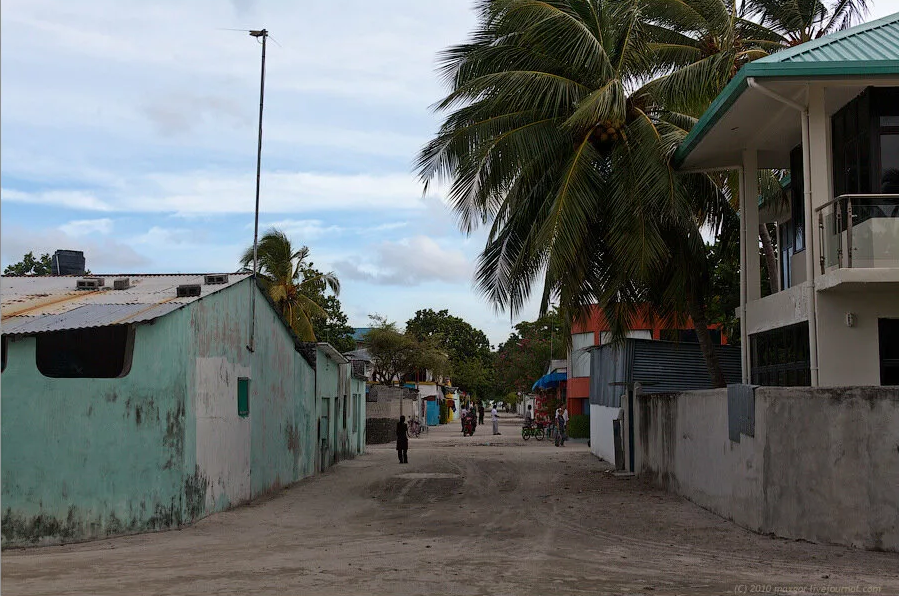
[[468, 426]]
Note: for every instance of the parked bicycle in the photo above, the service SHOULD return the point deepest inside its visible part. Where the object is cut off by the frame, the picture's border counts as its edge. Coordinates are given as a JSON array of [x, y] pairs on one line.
[[415, 428], [533, 430]]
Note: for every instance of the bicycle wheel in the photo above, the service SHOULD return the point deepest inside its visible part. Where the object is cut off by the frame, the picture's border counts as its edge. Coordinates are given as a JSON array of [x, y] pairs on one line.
[[525, 434], [539, 434]]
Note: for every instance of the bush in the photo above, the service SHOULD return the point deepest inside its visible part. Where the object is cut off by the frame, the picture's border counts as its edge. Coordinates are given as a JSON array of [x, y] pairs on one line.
[[444, 413], [579, 426]]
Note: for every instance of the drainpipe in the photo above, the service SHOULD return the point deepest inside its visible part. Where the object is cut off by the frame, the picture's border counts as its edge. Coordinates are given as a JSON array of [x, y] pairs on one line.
[[744, 290], [809, 214]]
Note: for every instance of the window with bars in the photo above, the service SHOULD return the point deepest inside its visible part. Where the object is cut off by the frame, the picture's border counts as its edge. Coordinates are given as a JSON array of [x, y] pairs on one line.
[[781, 357]]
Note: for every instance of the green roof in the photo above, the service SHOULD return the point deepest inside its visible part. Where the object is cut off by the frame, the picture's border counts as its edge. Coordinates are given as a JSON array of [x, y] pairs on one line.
[[867, 49]]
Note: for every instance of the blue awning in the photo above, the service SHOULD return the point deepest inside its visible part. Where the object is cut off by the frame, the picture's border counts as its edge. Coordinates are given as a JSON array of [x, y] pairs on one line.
[[549, 381]]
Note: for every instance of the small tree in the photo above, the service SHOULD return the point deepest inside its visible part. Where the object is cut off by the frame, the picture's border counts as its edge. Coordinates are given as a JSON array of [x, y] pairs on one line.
[[29, 265]]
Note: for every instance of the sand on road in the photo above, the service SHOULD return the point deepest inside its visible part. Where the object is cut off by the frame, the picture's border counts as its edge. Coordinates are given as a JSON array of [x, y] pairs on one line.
[[474, 515]]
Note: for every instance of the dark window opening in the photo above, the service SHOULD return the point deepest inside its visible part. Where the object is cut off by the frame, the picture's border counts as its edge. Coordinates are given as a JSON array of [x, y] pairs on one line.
[[781, 357], [344, 411], [688, 335], [796, 225], [5, 341], [100, 352], [243, 397], [888, 335]]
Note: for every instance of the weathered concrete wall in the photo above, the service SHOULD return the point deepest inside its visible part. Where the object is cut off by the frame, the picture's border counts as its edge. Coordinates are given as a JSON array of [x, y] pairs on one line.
[[380, 430], [241, 458], [357, 391], [88, 458], [164, 445], [602, 435], [390, 402], [823, 464]]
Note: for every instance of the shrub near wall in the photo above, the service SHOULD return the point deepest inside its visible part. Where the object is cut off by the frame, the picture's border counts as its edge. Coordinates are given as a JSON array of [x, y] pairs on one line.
[[579, 426]]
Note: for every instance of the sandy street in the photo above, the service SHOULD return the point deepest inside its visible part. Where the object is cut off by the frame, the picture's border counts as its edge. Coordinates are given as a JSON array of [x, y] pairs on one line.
[[474, 515]]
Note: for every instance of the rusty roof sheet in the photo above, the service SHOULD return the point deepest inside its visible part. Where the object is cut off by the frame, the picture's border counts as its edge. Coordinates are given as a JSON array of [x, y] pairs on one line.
[[41, 304]]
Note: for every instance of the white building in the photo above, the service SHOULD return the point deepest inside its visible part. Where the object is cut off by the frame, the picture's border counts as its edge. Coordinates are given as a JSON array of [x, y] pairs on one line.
[[827, 111]]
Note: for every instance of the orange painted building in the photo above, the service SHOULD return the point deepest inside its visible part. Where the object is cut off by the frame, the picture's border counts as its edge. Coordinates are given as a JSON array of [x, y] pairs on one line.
[[594, 333]]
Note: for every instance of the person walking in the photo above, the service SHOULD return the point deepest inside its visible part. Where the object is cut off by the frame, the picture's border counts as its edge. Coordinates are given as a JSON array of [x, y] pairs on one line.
[[529, 417], [402, 440], [480, 413], [560, 428], [494, 416]]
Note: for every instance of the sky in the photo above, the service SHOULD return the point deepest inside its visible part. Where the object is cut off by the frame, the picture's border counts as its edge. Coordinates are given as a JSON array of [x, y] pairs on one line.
[[128, 131]]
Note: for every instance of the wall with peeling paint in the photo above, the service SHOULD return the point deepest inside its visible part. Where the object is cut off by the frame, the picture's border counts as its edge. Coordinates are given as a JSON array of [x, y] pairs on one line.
[[164, 445], [341, 400], [87, 458]]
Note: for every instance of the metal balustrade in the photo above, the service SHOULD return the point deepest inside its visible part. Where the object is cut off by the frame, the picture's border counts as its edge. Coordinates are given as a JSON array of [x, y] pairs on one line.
[[859, 230]]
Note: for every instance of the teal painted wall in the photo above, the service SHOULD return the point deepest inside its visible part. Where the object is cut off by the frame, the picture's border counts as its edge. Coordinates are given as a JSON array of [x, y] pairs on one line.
[[164, 445], [86, 458], [335, 387]]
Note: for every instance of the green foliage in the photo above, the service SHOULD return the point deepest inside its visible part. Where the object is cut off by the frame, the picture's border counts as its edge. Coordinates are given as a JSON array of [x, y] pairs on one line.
[[468, 349], [579, 426], [332, 326], [460, 340], [444, 413], [281, 270], [29, 265], [400, 356], [523, 358]]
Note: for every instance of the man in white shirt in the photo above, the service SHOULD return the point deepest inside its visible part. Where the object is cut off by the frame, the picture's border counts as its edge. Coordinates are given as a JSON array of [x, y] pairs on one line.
[[495, 417]]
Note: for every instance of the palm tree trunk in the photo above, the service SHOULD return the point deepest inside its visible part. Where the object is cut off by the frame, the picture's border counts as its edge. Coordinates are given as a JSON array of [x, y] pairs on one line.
[[770, 258], [700, 323]]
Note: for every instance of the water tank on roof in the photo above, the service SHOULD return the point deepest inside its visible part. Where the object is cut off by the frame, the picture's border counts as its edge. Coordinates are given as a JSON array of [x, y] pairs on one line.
[[67, 262]]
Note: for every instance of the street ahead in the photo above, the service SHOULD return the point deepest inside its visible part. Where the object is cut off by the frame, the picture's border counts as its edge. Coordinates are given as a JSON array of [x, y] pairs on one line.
[[474, 515]]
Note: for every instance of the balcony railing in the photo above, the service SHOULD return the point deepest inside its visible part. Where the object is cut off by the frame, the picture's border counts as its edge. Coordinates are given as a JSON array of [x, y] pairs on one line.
[[859, 230]]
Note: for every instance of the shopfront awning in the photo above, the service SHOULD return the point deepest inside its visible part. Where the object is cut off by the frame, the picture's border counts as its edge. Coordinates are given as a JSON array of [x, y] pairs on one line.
[[550, 381]]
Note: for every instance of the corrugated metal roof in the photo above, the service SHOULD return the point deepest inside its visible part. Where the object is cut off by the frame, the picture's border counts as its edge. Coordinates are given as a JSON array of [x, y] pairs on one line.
[[877, 40], [870, 49], [40, 304]]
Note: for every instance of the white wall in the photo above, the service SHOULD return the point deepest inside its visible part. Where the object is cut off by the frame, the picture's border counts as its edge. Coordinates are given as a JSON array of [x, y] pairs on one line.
[[822, 464], [602, 436], [851, 355], [580, 358], [223, 437]]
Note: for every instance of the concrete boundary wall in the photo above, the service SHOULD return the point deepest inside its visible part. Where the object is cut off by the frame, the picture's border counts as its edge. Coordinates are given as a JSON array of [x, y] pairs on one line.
[[823, 464]]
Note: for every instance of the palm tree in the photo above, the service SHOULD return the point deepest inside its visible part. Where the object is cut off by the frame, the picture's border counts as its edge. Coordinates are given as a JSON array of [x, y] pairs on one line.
[[554, 143], [281, 272], [799, 21]]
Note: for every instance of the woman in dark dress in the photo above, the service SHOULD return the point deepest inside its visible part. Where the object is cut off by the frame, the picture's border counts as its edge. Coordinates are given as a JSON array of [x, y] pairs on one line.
[[402, 440]]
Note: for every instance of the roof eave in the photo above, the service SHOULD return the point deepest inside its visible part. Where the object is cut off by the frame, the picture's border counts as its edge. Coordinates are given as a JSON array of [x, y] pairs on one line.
[[792, 70]]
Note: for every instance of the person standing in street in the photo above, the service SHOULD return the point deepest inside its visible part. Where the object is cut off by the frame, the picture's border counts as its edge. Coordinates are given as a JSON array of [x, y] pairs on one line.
[[495, 418], [560, 428], [529, 417], [480, 413], [464, 415], [402, 440]]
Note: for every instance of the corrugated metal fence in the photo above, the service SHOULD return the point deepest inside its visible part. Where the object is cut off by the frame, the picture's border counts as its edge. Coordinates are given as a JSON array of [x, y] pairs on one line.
[[659, 366]]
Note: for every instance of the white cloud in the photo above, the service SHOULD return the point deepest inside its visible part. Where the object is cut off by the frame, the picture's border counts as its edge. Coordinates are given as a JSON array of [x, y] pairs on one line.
[[167, 237], [302, 231], [85, 227], [72, 199], [180, 113], [409, 262], [281, 192], [101, 254]]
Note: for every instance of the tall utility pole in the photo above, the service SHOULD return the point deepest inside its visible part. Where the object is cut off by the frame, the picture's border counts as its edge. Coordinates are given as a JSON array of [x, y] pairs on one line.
[[263, 33]]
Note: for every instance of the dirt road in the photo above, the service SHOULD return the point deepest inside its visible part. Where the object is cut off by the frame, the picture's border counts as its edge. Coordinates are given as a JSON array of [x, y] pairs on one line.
[[474, 515]]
